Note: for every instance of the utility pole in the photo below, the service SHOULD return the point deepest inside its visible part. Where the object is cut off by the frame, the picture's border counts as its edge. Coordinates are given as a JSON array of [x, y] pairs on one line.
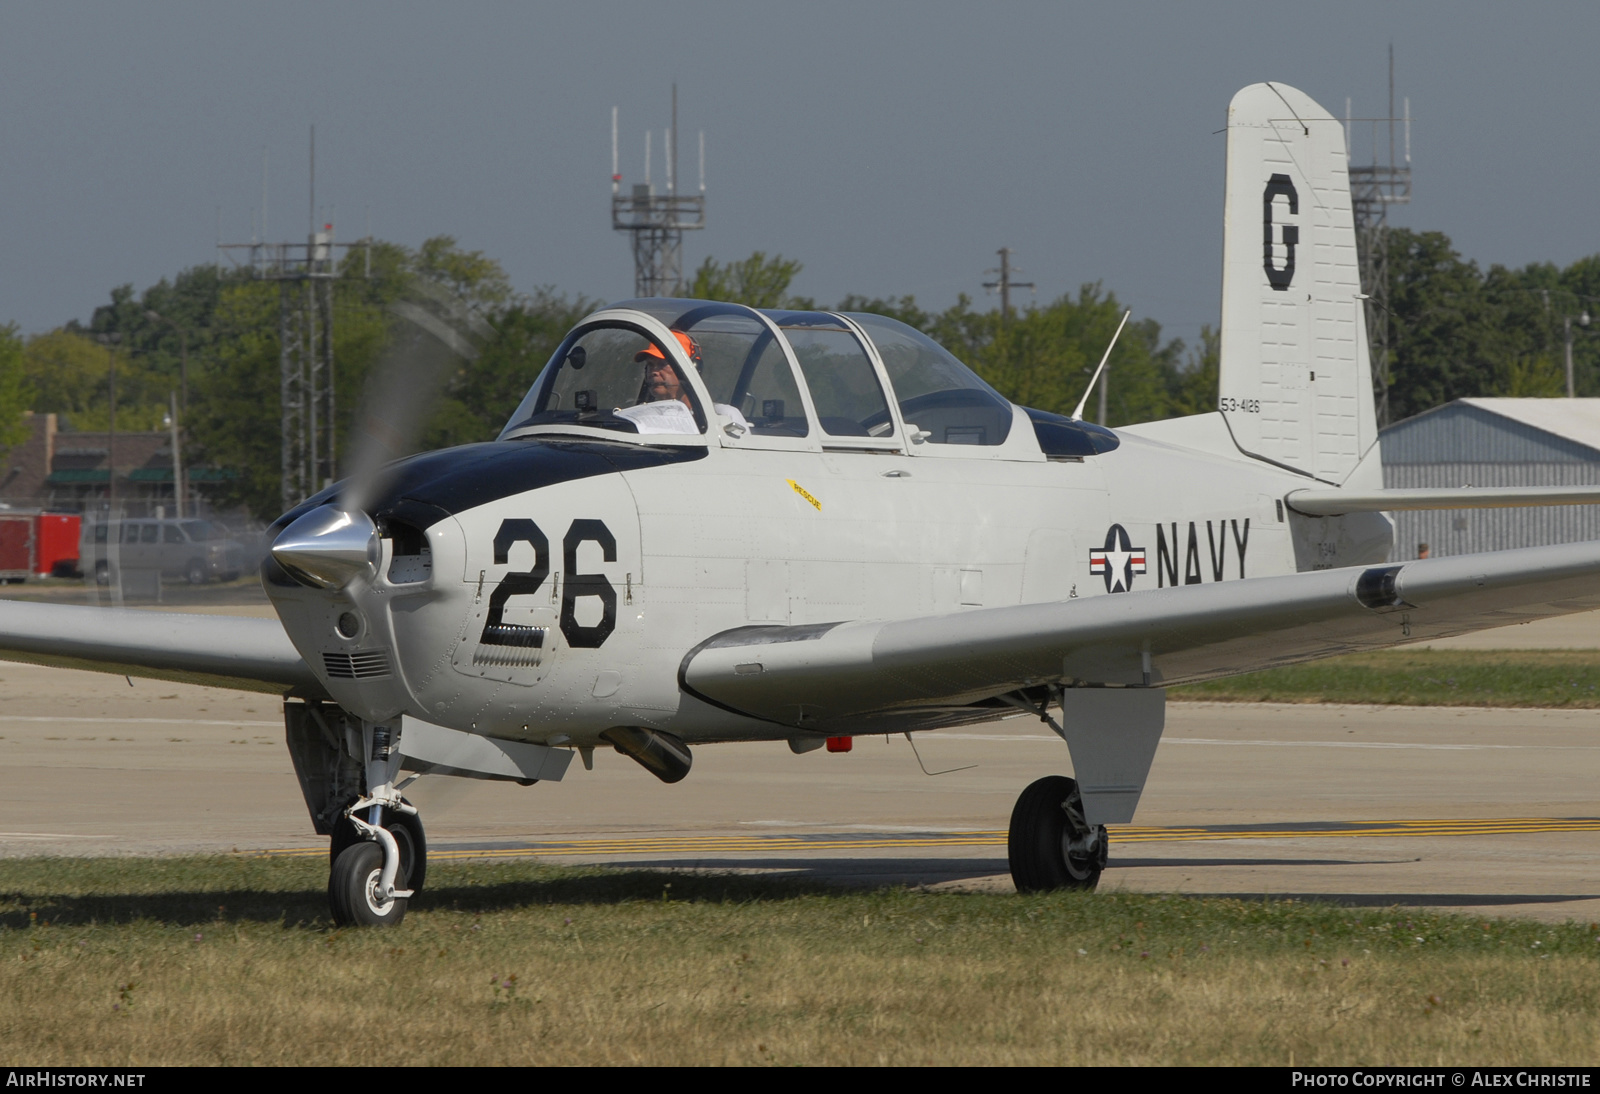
[[1373, 188], [657, 221], [1566, 322], [110, 340], [1005, 284], [305, 273], [180, 491]]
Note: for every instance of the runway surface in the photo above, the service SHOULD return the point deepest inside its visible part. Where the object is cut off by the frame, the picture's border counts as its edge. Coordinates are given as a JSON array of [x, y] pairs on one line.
[[1496, 811]]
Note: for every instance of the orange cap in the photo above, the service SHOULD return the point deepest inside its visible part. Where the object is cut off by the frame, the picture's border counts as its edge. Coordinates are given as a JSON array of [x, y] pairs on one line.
[[690, 347]]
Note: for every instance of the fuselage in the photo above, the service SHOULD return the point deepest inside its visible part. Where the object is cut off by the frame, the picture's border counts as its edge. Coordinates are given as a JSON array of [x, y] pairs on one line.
[[547, 586]]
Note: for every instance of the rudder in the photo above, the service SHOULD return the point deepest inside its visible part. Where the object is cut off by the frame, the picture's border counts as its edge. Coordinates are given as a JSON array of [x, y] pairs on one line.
[[1296, 382]]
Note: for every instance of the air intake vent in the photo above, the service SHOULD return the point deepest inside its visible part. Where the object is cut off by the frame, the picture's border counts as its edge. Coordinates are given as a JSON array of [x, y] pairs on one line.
[[509, 644], [361, 665], [513, 634]]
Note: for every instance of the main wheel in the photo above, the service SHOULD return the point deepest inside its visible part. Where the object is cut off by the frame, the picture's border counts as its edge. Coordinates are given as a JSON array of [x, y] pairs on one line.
[[197, 573], [1043, 852], [102, 573], [353, 889], [406, 828]]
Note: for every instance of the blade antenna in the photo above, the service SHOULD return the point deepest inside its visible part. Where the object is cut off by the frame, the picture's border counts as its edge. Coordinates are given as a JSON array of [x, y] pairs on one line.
[[1077, 415]]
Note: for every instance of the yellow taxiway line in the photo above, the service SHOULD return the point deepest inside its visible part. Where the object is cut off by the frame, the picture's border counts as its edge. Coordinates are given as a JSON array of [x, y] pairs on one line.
[[1121, 835]]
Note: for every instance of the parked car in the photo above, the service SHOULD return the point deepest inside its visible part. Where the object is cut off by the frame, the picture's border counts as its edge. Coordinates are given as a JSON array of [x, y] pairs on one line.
[[197, 550]]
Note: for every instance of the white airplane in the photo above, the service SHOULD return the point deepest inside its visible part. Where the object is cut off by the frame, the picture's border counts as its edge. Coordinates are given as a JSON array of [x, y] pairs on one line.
[[708, 523]]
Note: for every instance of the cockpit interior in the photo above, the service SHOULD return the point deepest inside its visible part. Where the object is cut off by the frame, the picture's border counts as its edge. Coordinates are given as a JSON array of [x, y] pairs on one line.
[[804, 376]]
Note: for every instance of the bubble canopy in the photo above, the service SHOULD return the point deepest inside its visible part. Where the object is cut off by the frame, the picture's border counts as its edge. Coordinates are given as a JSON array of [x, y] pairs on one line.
[[774, 373]]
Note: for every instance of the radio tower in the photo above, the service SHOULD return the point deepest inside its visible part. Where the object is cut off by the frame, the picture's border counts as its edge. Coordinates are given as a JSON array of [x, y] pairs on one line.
[[1373, 188], [657, 221]]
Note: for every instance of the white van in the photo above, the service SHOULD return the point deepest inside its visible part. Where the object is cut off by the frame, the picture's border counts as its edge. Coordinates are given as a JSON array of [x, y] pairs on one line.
[[196, 550]]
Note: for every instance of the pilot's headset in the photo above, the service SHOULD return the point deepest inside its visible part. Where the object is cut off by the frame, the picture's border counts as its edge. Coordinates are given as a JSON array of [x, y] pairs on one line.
[[690, 347]]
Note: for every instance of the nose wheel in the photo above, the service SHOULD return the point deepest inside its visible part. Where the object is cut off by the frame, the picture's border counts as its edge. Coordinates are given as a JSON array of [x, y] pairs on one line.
[[1051, 846], [408, 834], [375, 869], [356, 895]]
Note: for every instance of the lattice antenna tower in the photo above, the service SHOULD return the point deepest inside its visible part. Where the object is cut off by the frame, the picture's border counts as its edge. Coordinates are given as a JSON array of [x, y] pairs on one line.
[[656, 222], [1373, 189], [305, 273]]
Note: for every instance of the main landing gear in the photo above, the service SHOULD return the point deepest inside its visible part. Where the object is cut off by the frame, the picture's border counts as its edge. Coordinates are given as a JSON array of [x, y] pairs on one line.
[[1051, 846]]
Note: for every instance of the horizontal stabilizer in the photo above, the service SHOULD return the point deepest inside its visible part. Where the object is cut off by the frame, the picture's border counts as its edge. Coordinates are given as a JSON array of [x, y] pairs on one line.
[[822, 677], [1327, 503], [215, 650]]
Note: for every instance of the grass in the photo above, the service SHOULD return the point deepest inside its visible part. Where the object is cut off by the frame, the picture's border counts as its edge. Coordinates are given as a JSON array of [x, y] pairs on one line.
[[229, 961], [1487, 678]]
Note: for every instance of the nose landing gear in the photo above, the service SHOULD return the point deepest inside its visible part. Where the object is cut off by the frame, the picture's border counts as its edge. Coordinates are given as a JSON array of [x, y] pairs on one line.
[[378, 857], [372, 863]]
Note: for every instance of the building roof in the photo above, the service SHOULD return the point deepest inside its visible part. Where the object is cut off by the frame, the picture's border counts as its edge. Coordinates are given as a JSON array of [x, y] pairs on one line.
[[1498, 431], [1575, 419]]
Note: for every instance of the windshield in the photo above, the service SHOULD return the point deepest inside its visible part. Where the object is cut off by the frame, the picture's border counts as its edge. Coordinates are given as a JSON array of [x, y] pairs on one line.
[[612, 376], [937, 393]]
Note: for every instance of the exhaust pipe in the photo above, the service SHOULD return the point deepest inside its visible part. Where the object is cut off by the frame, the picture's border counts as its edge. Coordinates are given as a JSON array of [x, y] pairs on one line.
[[663, 755]]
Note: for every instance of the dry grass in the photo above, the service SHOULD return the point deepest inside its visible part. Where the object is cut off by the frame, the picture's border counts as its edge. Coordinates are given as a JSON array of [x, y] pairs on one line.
[[132, 962]]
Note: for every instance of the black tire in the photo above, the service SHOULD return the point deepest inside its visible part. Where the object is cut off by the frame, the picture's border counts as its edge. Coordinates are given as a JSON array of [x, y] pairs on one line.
[[351, 889], [102, 573], [1039, 839], [408, 833], [197, 572]]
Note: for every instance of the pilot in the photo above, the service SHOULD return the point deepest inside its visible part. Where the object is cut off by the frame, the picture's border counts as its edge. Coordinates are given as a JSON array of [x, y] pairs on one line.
[[664, 405]]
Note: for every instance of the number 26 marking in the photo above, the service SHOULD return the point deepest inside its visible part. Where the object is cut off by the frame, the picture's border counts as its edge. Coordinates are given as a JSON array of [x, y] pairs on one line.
[[577, 586]]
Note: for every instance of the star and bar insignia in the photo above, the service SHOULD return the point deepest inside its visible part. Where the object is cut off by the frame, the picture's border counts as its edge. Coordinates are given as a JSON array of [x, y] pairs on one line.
[[1118, 561]]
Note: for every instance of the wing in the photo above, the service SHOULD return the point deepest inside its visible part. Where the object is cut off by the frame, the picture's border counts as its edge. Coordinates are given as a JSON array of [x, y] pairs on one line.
[[1324, 503], [834, 675], [217, 650]]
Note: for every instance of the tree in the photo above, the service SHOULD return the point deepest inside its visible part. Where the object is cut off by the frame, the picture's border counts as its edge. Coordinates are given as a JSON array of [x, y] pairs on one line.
[[15, 392], [235, 414], [483, 392], [1459, 332], [235, 409], [758, 281], [470, 276]]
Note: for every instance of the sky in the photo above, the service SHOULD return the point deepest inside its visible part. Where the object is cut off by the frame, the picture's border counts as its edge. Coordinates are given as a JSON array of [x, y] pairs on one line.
[[891, 148]]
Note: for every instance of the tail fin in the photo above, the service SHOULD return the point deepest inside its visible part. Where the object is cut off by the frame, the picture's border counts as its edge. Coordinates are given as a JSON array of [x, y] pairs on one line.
[[1296, 383]]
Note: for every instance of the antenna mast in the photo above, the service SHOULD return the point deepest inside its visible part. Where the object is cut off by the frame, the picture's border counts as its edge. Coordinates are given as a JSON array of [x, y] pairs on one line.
[[656, 222]]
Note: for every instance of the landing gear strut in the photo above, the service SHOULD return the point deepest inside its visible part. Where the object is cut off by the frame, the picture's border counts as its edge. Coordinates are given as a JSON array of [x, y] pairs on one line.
[[1051, 846]]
